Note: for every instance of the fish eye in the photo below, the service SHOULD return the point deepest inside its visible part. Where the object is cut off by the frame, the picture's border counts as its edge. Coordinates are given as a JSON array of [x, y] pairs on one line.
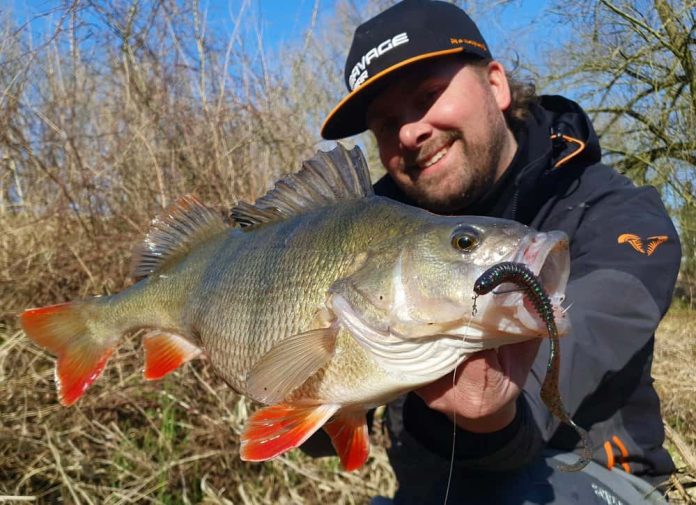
[[465, 240]]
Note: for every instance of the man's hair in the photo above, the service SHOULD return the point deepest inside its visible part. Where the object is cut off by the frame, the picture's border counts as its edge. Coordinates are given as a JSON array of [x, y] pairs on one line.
[[522, 96]]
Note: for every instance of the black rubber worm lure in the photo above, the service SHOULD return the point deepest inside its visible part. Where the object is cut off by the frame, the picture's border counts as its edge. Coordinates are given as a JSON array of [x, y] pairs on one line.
[[520, 275]]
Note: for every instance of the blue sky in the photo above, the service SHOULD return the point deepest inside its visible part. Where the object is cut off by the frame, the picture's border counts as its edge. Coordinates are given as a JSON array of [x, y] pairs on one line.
[[523, 21], [282, 21], [522, 30]]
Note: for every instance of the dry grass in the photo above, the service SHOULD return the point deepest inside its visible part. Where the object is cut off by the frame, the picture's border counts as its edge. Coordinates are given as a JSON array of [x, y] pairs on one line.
[[674, 369], [130, 441]]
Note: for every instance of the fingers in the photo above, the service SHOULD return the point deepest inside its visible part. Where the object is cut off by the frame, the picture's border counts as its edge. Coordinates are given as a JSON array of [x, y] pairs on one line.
[[516, 360], [482, 395]]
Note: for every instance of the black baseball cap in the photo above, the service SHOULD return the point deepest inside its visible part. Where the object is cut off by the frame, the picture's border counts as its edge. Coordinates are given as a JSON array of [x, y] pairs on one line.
[[409, 32]]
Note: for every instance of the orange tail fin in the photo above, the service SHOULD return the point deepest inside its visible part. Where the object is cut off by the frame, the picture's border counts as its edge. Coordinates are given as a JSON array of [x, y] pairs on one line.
[[348, 432], [273, 430], [81, 355]]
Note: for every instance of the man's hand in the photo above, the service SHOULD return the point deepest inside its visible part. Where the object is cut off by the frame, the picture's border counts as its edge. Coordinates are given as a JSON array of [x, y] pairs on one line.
[[486, 386]]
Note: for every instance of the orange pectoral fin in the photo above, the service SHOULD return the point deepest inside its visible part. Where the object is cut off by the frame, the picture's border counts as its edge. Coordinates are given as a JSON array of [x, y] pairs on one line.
[[348, 432], [274, 430], [165, 352], [81, 355]]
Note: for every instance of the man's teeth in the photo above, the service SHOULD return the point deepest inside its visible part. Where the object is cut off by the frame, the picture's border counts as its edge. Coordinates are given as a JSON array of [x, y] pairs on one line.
[[437, 157]]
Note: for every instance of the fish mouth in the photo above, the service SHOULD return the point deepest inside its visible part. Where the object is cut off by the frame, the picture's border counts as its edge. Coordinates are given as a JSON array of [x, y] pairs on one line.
[[546, 254]]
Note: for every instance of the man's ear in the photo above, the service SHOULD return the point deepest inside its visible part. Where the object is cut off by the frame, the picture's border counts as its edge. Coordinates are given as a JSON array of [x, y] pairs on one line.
[[499, 84]]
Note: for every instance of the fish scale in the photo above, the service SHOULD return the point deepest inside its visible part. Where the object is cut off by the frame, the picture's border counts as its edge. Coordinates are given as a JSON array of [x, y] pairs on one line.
[[279, 291]]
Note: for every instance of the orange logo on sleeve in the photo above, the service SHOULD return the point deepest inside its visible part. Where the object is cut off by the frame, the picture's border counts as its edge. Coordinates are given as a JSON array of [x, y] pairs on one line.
[[647, 246]]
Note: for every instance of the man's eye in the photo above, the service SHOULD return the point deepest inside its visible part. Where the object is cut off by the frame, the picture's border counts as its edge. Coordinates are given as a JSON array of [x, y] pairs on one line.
[[430, 96], [384, 127]]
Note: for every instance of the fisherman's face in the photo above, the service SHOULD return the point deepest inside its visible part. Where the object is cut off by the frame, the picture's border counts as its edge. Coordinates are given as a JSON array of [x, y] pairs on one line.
[[441, 131]]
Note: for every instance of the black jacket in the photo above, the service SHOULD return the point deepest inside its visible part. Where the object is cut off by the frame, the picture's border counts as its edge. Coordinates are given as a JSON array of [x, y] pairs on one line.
[[625, 257]]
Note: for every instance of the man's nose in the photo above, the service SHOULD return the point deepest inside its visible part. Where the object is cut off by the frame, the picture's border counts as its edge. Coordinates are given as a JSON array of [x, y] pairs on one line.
[[413, 134]]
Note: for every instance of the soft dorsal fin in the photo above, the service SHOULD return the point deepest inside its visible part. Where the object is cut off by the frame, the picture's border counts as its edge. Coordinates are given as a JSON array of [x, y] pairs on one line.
[[173, 234], [339, 174]]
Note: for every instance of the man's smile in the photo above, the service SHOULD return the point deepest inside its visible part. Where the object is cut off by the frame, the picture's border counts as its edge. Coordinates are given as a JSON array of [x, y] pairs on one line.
[[427, 161], [437, 156]]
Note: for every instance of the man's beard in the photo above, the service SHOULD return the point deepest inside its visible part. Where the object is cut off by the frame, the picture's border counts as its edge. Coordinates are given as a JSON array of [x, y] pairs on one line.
[[474, 179]]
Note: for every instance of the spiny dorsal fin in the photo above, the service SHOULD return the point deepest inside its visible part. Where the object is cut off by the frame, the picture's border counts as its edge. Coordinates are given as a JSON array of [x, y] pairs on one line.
[[173, 234], [339, 174]]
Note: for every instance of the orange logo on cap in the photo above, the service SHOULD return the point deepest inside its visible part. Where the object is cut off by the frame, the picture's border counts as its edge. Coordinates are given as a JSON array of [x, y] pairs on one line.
[[638, 244], [455, 41]]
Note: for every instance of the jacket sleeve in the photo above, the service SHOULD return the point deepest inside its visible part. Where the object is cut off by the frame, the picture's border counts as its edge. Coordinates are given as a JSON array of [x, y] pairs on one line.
[[625, 256]]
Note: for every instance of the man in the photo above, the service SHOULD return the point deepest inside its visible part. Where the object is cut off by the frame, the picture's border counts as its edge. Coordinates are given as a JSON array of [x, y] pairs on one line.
[[458, 136]]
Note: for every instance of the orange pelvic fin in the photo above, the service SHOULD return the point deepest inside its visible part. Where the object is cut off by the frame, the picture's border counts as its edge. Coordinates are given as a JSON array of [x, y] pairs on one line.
[[348, 432], [274, 430], [81, 355], [165, 352]]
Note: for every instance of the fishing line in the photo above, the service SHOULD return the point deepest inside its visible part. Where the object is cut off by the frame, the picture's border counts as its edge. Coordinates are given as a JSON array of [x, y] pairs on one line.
[[454, 412], [506, 291]]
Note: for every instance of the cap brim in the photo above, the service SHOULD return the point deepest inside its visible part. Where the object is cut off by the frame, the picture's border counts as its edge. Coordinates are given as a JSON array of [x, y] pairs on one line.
[[348, 117]]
